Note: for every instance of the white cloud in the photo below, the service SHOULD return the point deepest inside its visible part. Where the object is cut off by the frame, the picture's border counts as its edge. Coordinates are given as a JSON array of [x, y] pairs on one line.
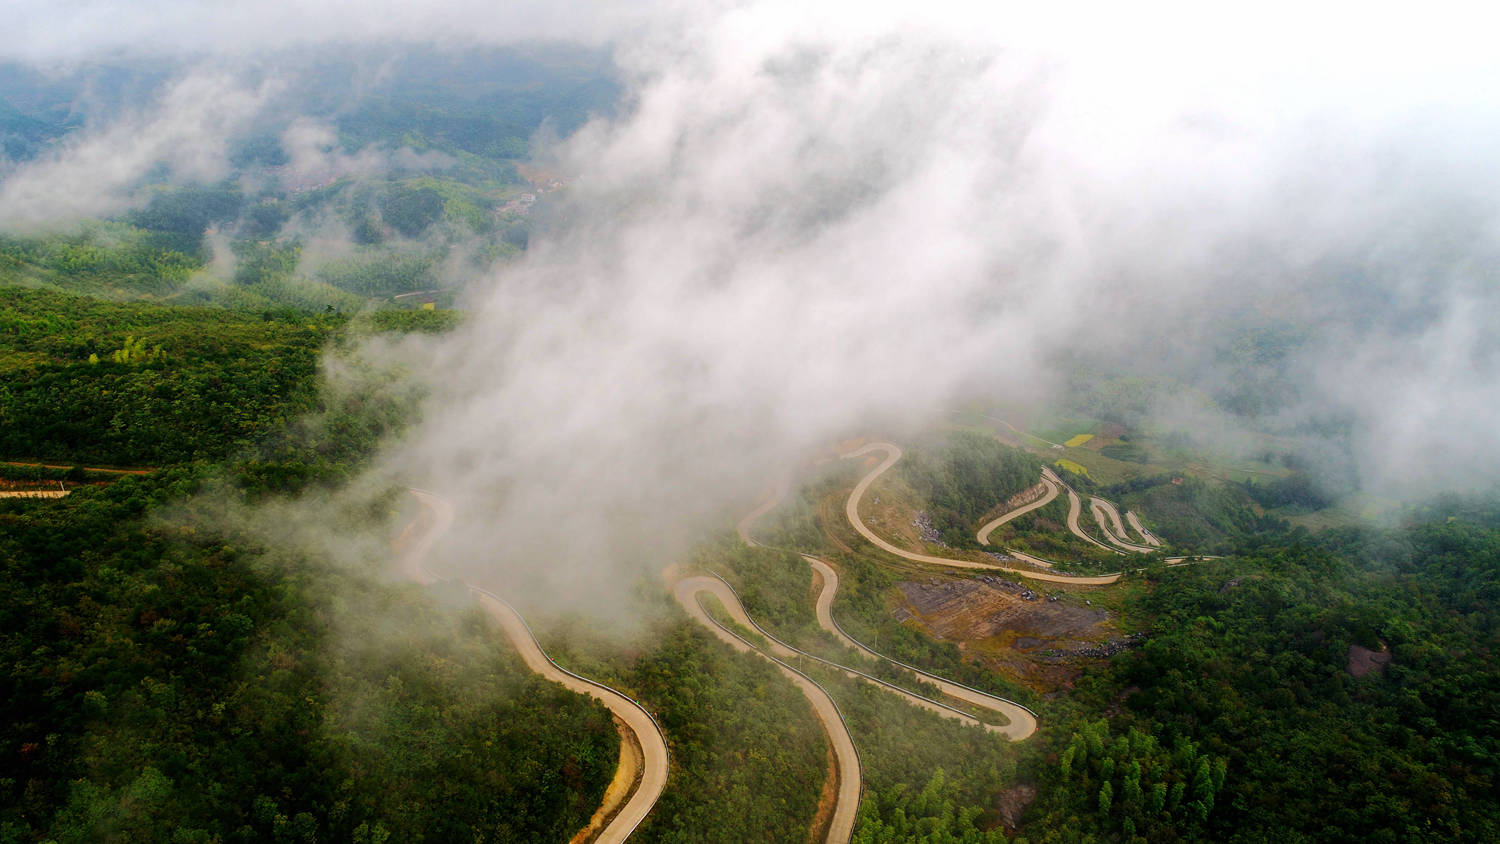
[[821, 219], [91, 174]]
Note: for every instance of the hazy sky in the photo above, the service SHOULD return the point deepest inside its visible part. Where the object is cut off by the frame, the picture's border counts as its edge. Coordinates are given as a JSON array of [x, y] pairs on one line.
[[814, 219]]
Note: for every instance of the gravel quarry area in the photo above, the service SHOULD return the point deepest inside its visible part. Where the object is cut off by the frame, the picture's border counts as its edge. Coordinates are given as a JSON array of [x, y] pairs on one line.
[[1035, 637], [980, 608]]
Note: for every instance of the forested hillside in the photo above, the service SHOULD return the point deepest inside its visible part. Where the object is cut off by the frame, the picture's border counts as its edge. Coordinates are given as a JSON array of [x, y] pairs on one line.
[[169, 679], [253, 291], [163, 684], [963, 475], [169, 675], [1338, 688]]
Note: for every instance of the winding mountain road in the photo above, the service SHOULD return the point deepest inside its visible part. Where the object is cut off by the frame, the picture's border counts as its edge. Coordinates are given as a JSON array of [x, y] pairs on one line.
[[644, 759], [1112, 527], [848, 770], [1135, 522], [989, 527], [1075, 509], [893, 454], [1022, 720], [777, 492]]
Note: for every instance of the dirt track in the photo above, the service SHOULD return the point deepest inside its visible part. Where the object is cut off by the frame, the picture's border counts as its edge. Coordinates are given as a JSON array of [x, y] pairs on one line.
[[645, 734], [145, 471]]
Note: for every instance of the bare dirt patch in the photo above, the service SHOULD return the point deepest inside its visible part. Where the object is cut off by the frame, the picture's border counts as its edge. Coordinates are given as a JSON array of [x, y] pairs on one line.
[[627, 777], [981, 608], [890, 508], [823, 815], [1012, 803], [1363, 661], [1040, 639]]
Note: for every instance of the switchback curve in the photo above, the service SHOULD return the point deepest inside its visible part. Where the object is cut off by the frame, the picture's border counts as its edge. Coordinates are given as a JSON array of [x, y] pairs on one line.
[[989, 527], [1075, 509], [1022, 720], [893, 454], [1135, 522], [629, 715], [1112, 527], [848, 770]]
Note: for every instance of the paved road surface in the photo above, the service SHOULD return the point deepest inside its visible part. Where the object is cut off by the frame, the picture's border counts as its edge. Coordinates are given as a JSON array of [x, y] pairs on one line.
[[1016, 715], [1052, 490], [647, 735], [1135, 522], [1111, 526], [893, 453], [848, 769], [1075, 509], [1022, 720]]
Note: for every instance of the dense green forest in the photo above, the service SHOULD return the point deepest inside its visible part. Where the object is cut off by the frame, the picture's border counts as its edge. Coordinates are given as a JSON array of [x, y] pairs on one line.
[[90, 381], [1252, 662], [166, 684], [170, 679]]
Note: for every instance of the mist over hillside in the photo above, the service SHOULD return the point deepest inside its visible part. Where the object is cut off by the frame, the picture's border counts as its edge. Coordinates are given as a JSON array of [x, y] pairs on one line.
[[788, 226], [748, 421]]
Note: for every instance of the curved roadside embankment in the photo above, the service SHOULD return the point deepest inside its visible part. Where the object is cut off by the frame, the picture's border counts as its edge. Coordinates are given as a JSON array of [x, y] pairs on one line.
[[647, 772], [1052, 490], [847, 769], [893, 454], [777, 492], [1022, 720]]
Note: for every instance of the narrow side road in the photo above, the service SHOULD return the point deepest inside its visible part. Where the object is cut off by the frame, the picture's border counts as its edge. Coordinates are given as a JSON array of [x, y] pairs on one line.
[[614, 823], [136, 471]]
